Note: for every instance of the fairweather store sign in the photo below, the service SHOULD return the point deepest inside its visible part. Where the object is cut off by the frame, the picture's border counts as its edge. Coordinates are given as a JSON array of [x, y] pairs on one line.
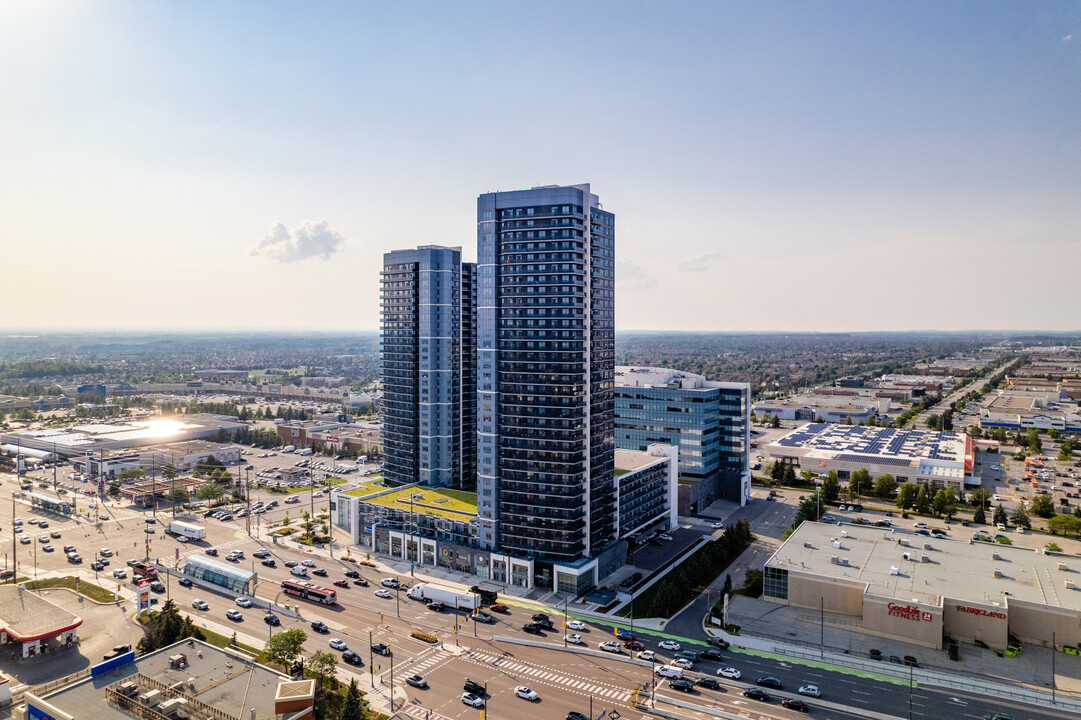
[[909, 612]]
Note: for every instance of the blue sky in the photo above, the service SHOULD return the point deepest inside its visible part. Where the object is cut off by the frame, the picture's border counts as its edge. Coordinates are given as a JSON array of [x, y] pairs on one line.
[[905, 165]]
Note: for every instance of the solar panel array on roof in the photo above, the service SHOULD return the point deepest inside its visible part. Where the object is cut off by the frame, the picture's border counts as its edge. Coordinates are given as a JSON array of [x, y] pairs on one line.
[[878, 442]]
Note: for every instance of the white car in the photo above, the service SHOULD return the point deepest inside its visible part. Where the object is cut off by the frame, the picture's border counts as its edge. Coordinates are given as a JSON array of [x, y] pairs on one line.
[[611, 646], [234, 614], [200, 605], [996, 498], [574, 639], [526, 694], [646, 655], [576, 625], [383, 593], [683, 663], [243, 602], [717, 526], [668, 645], [923, 526], [729, 672], [993, 467], [389, 582], [307, 563], [338, 644], [181, 539], [472, 700], [810, 691], [105, 552], [120, 573], [261, 553]]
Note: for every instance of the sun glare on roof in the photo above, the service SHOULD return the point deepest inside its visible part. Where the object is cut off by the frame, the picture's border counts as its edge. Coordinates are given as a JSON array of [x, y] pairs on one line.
[[163, 428]]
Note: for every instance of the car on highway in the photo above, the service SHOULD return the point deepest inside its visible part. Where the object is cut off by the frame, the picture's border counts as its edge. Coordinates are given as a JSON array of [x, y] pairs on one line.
[[634, 645], [338, 644], [307, 563], [200, 605], [319, 626], [794, 704], [611, 646], [157, 586], [574, 639], [243, 602], [573, 715], [380, 649], [921, 526], [269, 562], [810, 691], [688, 654], [646, 655], [341, 583], [526, 694], [234, 614], [668, 645], [472, 700], [998, 716], [681, 684], [291, 563], [120, 573], [683, 663], [390, 583], [352, 658], [717, 525], [769, 681], [708, 682], [352, 574], [572, 625], [710, 654], [261, 553], [185, 582], [212, 552], [756, 694], [481, 617], [417, 681], [48, 548], [299, 572], [533, 629], [181, 539], [383, 593], [272, 619], [501, 608]]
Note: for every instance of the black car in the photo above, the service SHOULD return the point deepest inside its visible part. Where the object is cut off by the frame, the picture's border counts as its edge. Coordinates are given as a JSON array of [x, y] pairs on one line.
[[352, 574], [380, 649], [96, 566], [319, 571], [718, 642], [546, 624], [186, 582], [213, 552], [711, 655], [352, 658], [769, 681], [794, 704], [541, 617], [360, 581], [533, 628], [319, 626], [572, 715], [708, 682], [271, 619], [681, 684], [269, 562], [417, 681], [157, 586], [436, 606], [475, 688], [291, 563], [756, 694]]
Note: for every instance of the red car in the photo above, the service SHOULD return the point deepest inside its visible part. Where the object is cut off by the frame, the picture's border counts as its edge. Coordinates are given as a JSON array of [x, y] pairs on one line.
[[341, 583], [634, 645]]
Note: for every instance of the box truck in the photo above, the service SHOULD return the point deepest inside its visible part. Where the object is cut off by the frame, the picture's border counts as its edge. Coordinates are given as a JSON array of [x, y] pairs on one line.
[[188, 530], [462, 600]]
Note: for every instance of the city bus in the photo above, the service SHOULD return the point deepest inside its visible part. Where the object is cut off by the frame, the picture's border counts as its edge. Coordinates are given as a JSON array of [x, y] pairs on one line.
[[308, 591]]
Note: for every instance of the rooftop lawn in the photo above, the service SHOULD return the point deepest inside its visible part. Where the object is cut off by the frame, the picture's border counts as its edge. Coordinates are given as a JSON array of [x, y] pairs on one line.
[[369, 486], [621, 471], [453, 504]]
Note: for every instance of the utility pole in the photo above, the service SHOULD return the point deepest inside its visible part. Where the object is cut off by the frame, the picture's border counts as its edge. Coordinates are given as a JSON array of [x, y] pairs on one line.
[[1052, 668], [822, 627], [14, 543], [371, 658]]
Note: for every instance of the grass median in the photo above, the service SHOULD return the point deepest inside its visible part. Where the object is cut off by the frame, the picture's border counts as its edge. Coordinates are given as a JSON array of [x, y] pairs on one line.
[[88, 589]]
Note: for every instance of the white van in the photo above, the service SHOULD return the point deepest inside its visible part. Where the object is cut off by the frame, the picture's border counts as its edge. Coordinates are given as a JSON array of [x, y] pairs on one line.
[[299, 571], [288, 448], [305, 451], [669, 671]]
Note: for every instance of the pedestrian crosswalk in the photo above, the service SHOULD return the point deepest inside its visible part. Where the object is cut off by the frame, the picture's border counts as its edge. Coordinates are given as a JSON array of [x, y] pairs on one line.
[[584, 686], [432, 660]]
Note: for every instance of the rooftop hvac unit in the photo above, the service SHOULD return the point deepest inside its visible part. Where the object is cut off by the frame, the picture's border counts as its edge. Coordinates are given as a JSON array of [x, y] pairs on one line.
[[927, 546], [1062, 566], [834, 559], [995, 556], [905, 556], [902, 541], [844, 533], [808, 545], [1069, 585], [128, 688], [894, 569], [998, 573], [925, 558], [836, 543], [150, 697], [844, 561]]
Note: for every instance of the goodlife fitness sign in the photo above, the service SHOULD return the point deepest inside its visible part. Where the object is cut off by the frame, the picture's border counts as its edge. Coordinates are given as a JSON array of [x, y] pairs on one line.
[[909, 612]]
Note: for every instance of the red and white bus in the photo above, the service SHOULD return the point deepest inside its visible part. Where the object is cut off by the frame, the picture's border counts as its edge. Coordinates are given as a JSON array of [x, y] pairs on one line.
[[308, 591]]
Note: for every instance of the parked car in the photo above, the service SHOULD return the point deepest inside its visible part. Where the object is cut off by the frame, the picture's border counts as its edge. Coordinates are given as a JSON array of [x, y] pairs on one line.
[[756, 694], [708, 682]]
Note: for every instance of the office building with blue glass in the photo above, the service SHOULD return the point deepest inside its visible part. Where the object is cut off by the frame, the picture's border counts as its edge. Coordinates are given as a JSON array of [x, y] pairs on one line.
[[708, 421], [428, 379], [545, 379]]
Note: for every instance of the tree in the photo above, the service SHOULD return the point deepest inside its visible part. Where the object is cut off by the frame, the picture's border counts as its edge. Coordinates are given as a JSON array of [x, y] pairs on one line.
[[885, 486], [1019, 517], [999, 516], [906, 495], [923, 501], [1035, 445], [980, 497], [1043, 506], [945, 502], [286, 646], [131, 474], [980, 516], [1065, 525], [776, 470], [848, 419], [775, 422], [789, 475], [351, 709], [754, 416], [1054, 433], [859, 483], [177, 496], [818, 419], [210, 491], [831, 488], [932, 422], [322, 664]]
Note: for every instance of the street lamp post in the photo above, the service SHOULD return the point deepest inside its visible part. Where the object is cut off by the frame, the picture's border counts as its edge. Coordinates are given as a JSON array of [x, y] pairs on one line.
[[398, 600], [371, 658], [565, 601]]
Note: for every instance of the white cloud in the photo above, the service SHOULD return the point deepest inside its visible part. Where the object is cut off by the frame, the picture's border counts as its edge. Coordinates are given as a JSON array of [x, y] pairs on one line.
[[630, 277], [312, 239], [699, 263], [1067, 38]]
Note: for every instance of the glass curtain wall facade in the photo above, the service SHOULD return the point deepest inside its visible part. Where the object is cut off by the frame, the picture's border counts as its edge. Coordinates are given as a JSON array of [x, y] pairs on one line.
[[545, 373], [427, 296]]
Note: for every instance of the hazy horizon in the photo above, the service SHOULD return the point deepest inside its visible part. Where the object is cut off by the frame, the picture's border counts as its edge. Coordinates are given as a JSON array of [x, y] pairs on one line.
[[773, 167]]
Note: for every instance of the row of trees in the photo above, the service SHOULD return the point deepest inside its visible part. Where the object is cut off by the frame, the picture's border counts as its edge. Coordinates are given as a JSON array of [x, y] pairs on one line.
[[700, 569]]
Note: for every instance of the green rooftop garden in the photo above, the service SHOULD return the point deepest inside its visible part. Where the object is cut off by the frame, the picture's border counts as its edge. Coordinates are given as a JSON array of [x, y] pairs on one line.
[[375, 484], [453, 504]]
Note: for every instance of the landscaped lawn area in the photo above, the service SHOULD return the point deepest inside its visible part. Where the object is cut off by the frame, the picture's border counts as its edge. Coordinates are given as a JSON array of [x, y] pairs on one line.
[[369, 487], [453, 504], [89, 589]]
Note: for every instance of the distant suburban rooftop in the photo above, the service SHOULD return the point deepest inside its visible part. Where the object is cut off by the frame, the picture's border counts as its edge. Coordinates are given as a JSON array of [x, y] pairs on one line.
[[873, 444], [650, 377], [123, 434], [221, 680], [453, 504], [962, 569]]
